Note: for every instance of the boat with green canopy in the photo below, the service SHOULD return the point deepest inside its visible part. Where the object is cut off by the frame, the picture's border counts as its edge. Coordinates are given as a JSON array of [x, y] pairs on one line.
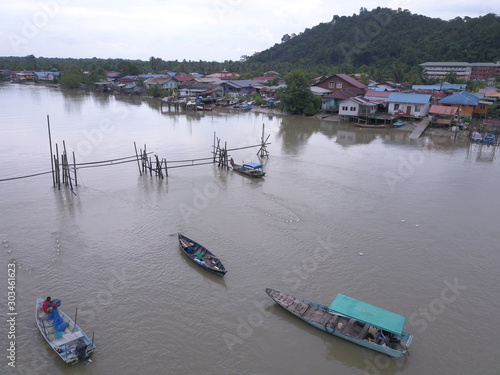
[[353, 320]]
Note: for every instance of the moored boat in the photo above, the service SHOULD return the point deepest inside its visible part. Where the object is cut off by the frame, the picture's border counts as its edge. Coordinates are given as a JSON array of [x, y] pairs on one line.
[[374, 126], [352, 320], [249, 169], [201, 255], [63, 335], [398, 124]]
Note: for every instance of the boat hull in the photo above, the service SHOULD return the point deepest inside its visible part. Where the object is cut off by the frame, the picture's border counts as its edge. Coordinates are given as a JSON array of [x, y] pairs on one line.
[[336, 324], [208, 260]]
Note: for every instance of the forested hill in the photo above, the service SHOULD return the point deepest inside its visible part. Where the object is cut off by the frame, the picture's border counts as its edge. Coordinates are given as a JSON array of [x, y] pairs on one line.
[[383, 36]]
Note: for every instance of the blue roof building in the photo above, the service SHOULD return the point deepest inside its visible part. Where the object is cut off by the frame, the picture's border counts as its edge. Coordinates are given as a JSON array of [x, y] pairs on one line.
[[462, 97], [408, 105]]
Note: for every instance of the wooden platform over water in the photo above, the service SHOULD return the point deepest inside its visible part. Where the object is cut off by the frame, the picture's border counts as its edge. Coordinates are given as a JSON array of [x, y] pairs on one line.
[[420, 128]]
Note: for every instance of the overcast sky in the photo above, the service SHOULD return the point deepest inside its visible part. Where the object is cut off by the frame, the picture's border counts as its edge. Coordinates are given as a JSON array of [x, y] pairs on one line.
[[210, 30]]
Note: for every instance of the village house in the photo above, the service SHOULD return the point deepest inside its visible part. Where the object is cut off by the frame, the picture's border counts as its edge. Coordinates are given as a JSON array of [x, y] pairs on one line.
[[331, 101], [47, 76], [23, 76], [163, 82], [224, 75], [112, 76], [261, 80], [441, 115], [490, 93], [357, 107], [202, 89], [131, 89], [408, 105], [338, 82], [468, 104], [240, 87], [184, 80]]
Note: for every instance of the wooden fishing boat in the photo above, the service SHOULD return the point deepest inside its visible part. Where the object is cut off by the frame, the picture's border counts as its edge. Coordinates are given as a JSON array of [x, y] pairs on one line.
[[71, 344], [353, 320], [249, 169], [201, 255], [373, 126]]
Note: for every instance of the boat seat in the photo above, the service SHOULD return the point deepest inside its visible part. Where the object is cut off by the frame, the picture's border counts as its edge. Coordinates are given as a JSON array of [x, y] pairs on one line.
[[348, 326], [363, 332]]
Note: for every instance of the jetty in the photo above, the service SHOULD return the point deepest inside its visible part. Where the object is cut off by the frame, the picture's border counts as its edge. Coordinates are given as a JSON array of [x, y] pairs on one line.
[[420, 128]]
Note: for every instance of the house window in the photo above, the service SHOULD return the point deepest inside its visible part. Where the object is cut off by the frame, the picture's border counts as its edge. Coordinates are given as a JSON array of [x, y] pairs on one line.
[[482, 106], [345, 108], [331, 85], [338, 85], [417, 108], [396, 107], [353, 109]]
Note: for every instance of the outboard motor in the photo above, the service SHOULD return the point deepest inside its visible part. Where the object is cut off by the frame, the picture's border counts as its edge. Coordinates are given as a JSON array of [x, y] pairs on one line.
[[81, 351]]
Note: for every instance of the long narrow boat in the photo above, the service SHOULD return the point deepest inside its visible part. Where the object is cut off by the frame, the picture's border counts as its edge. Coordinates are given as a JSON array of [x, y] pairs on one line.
[[201, 255], [71, 344], [353, 320], [249, 169], [373, 126]]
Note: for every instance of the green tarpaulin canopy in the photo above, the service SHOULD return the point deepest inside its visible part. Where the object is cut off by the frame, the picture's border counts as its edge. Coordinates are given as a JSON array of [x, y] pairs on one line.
[[376, 316]]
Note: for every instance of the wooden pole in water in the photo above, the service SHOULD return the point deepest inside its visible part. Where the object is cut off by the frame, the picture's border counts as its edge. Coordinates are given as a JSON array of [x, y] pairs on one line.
[[51, 160], [57, 163], [76, 316], [68, 176], [137, 156], [74, 168], [213, 148]]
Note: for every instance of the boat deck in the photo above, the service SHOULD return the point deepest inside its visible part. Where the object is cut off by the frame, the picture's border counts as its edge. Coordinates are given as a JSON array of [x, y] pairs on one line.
[[320, 316]]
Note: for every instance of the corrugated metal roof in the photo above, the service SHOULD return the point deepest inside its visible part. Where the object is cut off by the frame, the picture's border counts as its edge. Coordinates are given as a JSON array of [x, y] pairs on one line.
[[345, 94], [461, 97], [441, 86], [377, 94], [397, 97], [443, 110], [362, 101]]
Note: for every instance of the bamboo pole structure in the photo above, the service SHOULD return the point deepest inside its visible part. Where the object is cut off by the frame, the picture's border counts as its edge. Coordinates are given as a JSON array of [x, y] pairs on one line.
[[57, 168], [51, 160], [138, 163], [74, 169]]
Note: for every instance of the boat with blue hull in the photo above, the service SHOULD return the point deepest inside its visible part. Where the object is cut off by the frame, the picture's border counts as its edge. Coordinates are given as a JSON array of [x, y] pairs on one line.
[[352, 320]]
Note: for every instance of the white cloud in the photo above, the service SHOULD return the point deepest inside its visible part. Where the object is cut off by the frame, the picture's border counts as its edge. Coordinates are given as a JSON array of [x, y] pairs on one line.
[[192, 30]]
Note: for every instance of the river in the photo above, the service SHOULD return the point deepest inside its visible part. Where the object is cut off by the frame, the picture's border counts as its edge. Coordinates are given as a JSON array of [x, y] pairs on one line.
[[407, 225]]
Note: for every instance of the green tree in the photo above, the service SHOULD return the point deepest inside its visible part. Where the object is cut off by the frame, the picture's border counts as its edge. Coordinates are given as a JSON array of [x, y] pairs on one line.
[[71, 80], [72, 77], [451, 77], [154, 91], [297, 97], [126, 68]]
